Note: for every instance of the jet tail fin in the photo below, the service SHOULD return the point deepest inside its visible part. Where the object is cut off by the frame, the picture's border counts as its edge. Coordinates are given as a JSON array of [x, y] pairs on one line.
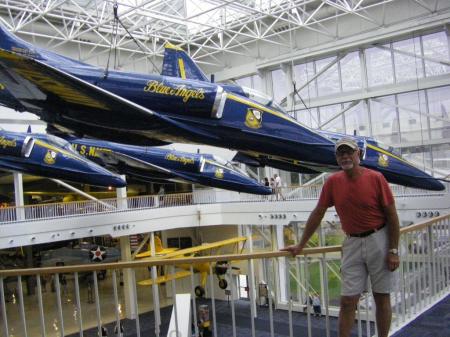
[[12, 43], [179, 64]]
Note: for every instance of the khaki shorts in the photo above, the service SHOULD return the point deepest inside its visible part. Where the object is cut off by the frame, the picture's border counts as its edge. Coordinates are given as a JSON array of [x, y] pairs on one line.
[[363, 258]]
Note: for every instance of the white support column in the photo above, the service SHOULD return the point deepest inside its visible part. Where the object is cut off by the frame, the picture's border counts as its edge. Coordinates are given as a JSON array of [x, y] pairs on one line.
[[281, 266], [125, 251], [155, 291], [18, 196], [248, 234], [20, 215]]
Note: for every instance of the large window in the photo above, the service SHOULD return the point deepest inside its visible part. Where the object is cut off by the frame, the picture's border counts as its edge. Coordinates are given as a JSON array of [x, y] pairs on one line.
[[439, 109], [279, 85], [328, 82], [357, 120], [303, 74], [379, 66], [331, 118], [412, 111], [384, 120], [412, 121], [308, 117], [441, 158], [253, 81], [408, 60], [351, 72], [435, 46]]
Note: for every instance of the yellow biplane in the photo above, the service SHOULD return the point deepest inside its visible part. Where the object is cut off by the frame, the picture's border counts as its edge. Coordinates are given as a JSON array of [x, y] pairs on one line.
[[220, 268]]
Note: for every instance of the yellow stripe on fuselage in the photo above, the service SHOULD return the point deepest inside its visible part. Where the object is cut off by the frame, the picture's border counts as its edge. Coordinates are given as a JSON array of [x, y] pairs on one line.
[[182, 70], [265, 109], [56, 149], [379, 149]]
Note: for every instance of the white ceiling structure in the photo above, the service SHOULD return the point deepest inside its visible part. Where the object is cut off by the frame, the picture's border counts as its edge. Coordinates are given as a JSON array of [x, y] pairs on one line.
[[215, 33]]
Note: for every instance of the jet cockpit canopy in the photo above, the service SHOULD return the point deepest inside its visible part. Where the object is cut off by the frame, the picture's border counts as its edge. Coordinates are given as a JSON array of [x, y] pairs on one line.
[[262, 98]]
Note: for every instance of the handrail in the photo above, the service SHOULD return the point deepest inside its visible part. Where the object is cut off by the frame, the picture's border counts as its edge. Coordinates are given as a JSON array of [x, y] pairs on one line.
[[200, 259], [423, 224], [162, 262]]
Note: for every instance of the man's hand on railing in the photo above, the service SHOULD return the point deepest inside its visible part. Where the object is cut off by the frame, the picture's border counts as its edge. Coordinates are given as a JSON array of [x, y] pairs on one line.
[[294, 249]]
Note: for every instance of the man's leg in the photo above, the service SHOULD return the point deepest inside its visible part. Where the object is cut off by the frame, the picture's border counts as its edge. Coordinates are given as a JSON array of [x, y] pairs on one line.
[[347, 314], [383, 313]]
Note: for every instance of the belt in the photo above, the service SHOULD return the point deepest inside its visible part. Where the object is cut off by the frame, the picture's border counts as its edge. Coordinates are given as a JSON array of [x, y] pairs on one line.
[[366, 233]]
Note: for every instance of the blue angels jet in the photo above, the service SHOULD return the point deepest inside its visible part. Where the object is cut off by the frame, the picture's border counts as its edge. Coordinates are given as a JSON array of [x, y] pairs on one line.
[[180, 105], [153, 164], [51, 157], [374, 155]]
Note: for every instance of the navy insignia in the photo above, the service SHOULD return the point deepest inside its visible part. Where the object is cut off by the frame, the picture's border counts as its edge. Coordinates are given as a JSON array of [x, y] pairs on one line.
[[50, 157], [219, 173], [253, 119], [383, 160]]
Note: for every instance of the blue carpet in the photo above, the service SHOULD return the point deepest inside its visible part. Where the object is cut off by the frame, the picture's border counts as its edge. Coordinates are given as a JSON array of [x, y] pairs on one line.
[[243, 322], [435, 322]]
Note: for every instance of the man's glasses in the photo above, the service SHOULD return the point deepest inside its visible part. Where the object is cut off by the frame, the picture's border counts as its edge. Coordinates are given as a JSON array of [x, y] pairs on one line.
[[341, 152]]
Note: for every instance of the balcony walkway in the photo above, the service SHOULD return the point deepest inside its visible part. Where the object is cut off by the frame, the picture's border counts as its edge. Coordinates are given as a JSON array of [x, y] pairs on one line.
[[243, 327], [435, 322]]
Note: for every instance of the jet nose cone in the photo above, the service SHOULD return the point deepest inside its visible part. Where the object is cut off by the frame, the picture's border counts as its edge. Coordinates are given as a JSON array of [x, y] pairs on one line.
[[431, 184], [106, 179], [118, 181]]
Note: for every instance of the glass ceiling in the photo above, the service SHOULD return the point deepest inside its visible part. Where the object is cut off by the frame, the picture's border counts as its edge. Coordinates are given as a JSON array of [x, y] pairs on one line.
[[208, 29]]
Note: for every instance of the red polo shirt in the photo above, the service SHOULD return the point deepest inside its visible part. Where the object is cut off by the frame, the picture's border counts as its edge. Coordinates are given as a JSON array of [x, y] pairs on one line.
[[359, 202]]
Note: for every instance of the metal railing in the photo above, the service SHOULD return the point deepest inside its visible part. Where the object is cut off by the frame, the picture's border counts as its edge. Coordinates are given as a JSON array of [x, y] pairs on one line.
[[79, 208], [80, 301]]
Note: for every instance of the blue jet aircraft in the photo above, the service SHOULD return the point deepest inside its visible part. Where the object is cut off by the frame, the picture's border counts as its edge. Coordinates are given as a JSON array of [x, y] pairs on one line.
[[375, 156], [51, 157], [153, 164], [180, 105]]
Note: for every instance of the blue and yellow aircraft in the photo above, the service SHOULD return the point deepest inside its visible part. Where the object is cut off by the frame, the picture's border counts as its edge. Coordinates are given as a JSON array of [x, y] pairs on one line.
[[180, 105], [153, 164], [51, 157], [374, 155]]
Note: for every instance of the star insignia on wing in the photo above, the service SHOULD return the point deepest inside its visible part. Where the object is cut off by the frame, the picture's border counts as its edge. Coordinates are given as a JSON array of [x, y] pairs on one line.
[[98, 254]]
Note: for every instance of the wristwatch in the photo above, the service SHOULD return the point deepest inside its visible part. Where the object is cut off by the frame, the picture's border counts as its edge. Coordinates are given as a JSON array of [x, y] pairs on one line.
[[393, 251]]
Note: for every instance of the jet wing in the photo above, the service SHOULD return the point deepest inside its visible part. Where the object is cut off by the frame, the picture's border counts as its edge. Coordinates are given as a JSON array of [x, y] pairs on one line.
[[69, 103], [206, 246], [114, 157]]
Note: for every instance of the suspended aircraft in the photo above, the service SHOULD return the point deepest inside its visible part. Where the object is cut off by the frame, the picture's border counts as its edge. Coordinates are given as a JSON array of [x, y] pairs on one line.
[[154, 164], [51, 157], [374, 155], [218, 268], [180, 105]]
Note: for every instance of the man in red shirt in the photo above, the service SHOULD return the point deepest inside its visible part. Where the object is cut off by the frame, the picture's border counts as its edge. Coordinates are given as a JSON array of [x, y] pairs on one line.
[[366, 208]]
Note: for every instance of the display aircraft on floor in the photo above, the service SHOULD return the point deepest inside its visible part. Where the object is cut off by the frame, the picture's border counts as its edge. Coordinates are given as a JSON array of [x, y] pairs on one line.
[[218, 268], [156, 164], [52, 157], [83, 253], [180, 105]]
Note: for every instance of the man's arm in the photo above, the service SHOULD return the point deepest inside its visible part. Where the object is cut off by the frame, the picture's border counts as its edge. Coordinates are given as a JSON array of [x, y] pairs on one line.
[[313, 222], [393, 234]]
